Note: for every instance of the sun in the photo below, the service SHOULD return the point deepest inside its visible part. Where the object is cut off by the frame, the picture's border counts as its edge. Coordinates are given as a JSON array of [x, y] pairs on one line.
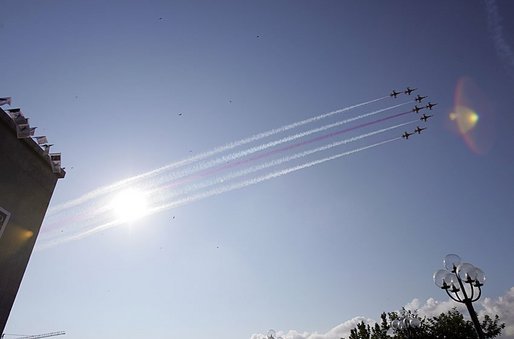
[[129, 205]]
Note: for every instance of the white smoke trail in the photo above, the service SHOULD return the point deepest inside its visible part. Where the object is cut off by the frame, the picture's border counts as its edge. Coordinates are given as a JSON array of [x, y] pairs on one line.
[[240, 154], [276, 162], [255, 138], [226, 188], [90, 213], [265, 177], [94, 215], [503, 49], [122, 183], [217, 191]]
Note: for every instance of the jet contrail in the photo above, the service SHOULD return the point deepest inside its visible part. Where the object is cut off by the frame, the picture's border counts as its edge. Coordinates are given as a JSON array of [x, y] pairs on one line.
[[200, 174], [109, 188], [277, 162], [214, 192], [256, 137], [265, 177], [92, 220], [503, 49], [220, 170], [189, 172], [87, 211]]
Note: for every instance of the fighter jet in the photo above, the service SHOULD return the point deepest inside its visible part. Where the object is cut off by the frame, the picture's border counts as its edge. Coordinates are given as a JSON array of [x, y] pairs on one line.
[[406, 135], [417, 109], [419, 98], [418, 129], [425, 117], [430, 105], [394, 93], [409, 90]]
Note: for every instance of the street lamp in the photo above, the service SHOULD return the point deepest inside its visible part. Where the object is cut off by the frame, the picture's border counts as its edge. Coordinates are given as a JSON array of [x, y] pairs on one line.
[[408, 324], [462, 282], [272, 335]]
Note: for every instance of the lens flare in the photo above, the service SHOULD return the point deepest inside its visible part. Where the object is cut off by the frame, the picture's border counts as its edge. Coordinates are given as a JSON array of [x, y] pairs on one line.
[[472, 117], [465, 118], [27, 234]]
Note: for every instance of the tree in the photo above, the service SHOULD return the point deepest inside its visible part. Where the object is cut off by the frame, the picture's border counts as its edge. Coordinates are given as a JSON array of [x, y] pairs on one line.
[[449, 325], [492, 328], [363, 331]]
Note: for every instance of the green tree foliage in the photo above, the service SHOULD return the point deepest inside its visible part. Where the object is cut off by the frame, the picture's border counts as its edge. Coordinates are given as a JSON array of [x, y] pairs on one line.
[[449, 325], [492, 328], [363, 331]]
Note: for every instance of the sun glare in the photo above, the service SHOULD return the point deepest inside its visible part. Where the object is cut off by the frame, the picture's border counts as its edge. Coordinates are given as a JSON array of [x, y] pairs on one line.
[[129, 205]]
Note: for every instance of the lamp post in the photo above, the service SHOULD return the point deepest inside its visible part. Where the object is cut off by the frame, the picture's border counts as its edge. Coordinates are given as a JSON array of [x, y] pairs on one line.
[[408, 324], [272, 335], [462, 282]]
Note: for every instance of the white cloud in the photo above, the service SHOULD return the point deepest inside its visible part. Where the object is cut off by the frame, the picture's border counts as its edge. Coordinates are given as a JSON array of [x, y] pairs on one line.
[[433, 307], [502, 306], [339, 331]]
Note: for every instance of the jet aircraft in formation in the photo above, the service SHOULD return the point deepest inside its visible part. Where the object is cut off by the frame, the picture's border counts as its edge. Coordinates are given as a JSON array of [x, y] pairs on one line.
[[418, 129], [425, 117], [417, 109], [430, 105], [409, 90], [419, 98], [394, 93], [406, 135]]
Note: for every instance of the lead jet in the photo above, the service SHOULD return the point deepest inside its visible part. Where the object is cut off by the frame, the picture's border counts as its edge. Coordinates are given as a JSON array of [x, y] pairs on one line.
[[419, 98], [394, 93], [430, 105], [409, 90], [406, 135], [425, 117], [417, 109], [418, 129]]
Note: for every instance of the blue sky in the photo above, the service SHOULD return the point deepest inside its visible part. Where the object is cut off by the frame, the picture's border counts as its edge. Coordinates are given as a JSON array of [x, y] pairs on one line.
[[356, 236]]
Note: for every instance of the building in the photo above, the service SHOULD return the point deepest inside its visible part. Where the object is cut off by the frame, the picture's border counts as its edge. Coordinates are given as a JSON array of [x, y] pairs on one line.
[[28, 175]]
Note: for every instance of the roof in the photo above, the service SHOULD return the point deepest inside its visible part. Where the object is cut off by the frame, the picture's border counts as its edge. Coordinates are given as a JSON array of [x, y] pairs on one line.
[[6, 120]]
